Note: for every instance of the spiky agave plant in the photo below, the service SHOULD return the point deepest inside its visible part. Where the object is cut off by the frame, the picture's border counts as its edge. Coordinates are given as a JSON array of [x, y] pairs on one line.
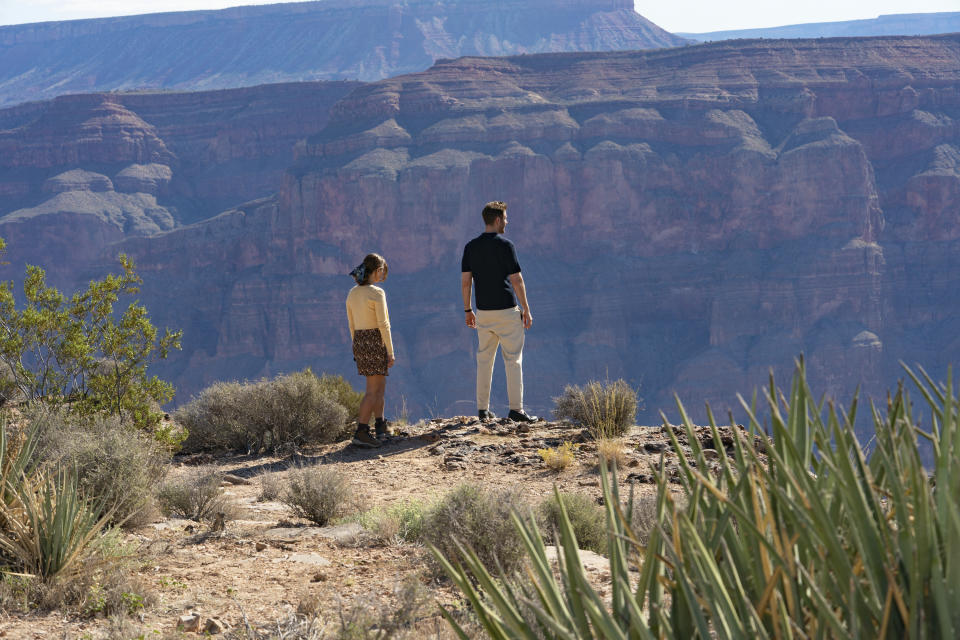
[[811, 539], [47, 527]]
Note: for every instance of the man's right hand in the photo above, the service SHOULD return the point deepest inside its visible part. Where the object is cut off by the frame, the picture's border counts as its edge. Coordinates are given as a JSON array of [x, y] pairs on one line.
[[471, 319]]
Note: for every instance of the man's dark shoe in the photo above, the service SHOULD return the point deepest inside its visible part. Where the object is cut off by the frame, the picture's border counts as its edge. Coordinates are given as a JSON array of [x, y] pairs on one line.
[[362, 438], [486, 414], [520, 416]]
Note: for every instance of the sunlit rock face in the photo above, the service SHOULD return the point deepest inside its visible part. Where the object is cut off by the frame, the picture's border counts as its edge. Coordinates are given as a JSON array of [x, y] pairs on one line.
[[686, 219]]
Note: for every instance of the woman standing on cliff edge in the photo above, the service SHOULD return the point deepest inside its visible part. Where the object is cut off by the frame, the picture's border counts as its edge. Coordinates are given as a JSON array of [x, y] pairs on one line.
[[372, 344]]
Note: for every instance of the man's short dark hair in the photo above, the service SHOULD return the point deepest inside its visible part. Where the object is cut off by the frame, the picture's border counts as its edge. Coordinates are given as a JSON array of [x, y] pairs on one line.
[[493, 210]]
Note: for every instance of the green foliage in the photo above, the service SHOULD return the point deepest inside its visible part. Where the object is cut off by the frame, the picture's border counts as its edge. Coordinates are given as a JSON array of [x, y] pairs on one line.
[[586, 518], [813, 539], [54, 349], [318, 493], [291, 410], [341, 391], [607, 409], [480, 519], [398, 522]]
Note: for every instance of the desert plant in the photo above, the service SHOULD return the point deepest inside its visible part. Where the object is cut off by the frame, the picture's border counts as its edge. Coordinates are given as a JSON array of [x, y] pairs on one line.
[[291, 410], [399, 522], [611, 451], [318, 493], [607, 409], [481, 519], [54, 349], [586, 518], [48, 527], [341, 391], [271, 487], [812, 540], [195, 494], [115, 462], [558, 458]]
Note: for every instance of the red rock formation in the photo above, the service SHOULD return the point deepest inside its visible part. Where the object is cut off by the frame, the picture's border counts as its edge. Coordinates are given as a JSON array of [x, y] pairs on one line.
[[686, 219]]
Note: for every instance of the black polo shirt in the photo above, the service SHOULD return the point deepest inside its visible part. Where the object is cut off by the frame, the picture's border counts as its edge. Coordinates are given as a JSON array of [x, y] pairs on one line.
[[492, 259]]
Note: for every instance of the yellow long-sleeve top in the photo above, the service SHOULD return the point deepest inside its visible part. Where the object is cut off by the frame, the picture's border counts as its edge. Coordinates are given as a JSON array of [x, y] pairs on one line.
[[367, 309]]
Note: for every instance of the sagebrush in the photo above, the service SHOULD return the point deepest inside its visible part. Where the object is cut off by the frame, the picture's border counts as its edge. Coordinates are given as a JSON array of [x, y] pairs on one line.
[[480, 519], [319, 493], [586, 517], [291, 410]]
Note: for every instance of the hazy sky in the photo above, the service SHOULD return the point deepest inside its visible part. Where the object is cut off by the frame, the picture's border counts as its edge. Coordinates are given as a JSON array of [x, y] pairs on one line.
[[673, 15]]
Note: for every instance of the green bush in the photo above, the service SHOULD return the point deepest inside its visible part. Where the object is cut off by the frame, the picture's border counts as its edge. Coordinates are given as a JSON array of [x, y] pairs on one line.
[[319, 493], [607, 409], [809, 539], [343, 393], [78, 350], [587, 519], [399, 522], [291, 410], [480, 519], [116, 464]]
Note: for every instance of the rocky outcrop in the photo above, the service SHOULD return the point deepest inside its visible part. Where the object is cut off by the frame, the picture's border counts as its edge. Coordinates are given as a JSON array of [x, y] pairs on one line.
[[327, 40], [686, 219], [895, 24]]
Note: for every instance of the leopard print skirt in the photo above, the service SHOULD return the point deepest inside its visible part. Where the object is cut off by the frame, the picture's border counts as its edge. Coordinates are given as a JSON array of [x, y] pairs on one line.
[[369, 352]]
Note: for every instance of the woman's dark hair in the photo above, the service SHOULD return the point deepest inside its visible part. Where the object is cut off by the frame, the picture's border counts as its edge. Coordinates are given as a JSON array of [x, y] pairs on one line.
[[371, 263]]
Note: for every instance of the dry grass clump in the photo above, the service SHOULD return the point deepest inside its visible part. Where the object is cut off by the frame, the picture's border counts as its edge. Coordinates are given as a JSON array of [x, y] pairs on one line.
[[607, 409], [586, 517], [319, 493], [288, 411], [271, 487], [558, 458], [481, 520], [195, 495], [115, 463], [397, 523], [611, 450]]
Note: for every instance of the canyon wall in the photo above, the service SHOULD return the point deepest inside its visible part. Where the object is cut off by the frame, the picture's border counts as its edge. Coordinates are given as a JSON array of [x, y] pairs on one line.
[[686, 219]]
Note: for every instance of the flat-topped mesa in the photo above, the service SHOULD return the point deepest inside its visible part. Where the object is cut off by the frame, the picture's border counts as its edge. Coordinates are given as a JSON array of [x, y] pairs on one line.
[[356, 39]]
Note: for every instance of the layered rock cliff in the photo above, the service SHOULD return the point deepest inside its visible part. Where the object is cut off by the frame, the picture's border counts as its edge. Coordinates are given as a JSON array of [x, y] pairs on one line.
[[328, 40], [81, 172], [686, 219]]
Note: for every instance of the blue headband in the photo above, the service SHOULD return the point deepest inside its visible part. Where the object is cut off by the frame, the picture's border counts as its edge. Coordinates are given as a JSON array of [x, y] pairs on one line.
[[359, 274]]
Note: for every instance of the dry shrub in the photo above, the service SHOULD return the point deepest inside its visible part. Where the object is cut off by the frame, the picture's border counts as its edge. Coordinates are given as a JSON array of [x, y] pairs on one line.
[[364, 620], [195, 495], [400, 522], [611, 450], [559, 458], [271, 487], [291, 410], [318, 493], [479, 519], [117, 465], [607, 409], [343, 393], [586, 517]]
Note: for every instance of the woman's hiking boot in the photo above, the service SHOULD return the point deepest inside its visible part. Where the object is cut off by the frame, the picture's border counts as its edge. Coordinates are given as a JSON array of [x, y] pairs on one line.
[[363, 437], [382, 428]]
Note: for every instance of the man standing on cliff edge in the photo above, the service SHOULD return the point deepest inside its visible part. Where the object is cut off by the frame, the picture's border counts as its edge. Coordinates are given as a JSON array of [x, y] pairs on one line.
[[490, 261]]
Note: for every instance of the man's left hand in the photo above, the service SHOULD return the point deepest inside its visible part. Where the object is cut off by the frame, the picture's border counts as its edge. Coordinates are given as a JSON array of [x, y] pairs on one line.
[[527, 319]]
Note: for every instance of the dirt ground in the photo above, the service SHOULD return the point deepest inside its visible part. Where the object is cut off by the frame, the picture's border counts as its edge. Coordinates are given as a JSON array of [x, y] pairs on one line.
[[266, 563]]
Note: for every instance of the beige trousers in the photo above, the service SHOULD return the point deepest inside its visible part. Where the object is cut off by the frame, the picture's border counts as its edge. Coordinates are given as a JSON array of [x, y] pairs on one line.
[[503, 328]]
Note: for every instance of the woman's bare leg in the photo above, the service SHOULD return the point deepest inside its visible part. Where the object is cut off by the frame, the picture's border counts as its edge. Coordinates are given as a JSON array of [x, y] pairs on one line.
[[372, 399]]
